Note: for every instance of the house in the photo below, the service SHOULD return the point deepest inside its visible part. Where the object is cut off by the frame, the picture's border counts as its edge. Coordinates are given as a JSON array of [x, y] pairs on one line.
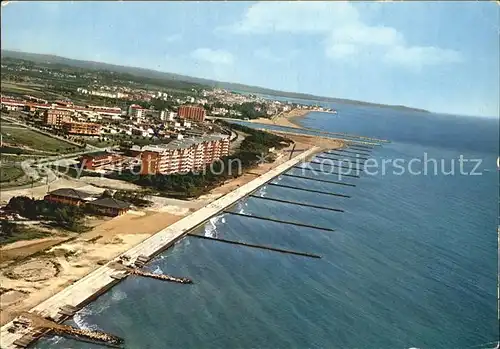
[[68, 196], [110, 206], [100, 159]]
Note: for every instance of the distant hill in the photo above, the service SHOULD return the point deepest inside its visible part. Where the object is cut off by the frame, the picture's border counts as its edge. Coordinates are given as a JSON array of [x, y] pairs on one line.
[[148, 73]]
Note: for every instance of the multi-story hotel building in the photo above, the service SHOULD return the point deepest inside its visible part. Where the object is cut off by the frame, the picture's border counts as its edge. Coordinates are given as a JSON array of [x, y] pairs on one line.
[[96, 161], [182, 156], [191, 112], [56, 117], [82, 128]]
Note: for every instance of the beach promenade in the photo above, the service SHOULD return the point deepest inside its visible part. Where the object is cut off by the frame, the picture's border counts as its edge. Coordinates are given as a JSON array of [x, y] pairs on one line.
[[94, 284]]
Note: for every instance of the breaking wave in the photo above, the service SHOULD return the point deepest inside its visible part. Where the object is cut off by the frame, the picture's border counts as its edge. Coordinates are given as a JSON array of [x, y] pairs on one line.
[[118, 295], [157, 270], [241, 207], [80, 319], [262, 191], [211, 226], [54, 339]]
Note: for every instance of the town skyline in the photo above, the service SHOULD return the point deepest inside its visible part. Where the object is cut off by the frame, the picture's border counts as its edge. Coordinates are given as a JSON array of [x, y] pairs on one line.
[[366, 54]]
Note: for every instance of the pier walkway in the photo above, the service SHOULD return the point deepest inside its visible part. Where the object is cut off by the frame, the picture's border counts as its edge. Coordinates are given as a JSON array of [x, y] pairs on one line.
[[99, 281]]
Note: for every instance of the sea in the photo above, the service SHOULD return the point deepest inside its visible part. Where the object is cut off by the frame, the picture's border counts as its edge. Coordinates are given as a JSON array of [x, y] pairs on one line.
[[412, 261]]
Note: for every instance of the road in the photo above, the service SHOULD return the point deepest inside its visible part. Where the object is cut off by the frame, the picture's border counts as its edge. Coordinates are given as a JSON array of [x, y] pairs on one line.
[[39, 170], [19, 123], [235, 144]]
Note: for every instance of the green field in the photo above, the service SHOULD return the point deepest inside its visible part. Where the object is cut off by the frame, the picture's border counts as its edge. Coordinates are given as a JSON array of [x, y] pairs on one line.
[[35, 140], [10, 173]]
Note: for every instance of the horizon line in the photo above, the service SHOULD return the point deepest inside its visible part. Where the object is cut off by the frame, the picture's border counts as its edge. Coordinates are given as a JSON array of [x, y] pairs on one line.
[[375, 104]]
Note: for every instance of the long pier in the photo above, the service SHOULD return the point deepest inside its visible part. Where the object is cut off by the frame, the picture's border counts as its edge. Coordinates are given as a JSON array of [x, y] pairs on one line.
[[42, 326], [347, 136], [348, 156], [163, 277], [90, 287], [334, 165], [348, 140], [350, 161], [360, 146], [323, 172], [298, 224], [320, 180], [345, 151], [297, 203], [269, 248], [308, 190]]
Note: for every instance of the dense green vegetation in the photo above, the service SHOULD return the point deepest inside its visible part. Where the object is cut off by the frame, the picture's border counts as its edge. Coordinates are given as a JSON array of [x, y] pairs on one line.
[[252, 150], [11, 232], [34, 140], [136, 198], [181, 83], [65, 216], [10, 173], [250, 110]]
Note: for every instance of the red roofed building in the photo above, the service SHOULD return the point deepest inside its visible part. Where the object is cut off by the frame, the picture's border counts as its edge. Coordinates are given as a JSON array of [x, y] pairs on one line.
[[56, 117], [136, 111], [191, 112], [12, 104], [97, 160], [82, 128]]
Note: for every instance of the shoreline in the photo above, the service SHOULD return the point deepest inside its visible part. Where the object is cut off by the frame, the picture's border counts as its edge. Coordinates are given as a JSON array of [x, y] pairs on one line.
[[290, 118], [61, 261], [287, 119], [89, 287]]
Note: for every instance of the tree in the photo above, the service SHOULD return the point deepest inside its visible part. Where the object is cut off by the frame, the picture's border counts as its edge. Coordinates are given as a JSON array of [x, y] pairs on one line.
[[107, 194]]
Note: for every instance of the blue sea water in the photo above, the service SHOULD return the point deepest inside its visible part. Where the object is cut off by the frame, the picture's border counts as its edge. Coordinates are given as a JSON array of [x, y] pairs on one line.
[[412, 261]]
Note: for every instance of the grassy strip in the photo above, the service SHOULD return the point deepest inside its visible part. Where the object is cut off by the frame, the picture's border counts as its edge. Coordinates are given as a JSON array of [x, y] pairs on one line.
[[35, 140], [10, 173], [11, 232]]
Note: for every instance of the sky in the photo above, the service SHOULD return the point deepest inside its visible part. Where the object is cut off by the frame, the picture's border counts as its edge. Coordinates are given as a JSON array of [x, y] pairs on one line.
[[440, 56]]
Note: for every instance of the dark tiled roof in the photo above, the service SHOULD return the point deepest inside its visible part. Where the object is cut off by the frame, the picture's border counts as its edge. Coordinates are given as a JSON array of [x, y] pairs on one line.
[[111, 203], [71, 193], [99, 154]]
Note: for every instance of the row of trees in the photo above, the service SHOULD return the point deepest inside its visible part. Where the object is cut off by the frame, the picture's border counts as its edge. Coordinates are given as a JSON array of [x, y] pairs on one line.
[[11, 232], [68, 217], [250, 110], [137, 198], [253, 149]]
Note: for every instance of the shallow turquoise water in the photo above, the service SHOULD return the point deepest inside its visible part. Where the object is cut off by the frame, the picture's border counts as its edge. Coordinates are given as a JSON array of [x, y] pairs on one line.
[[412, 261]]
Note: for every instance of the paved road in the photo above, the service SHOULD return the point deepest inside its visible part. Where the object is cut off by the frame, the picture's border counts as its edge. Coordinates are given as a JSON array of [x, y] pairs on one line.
[[40, 170], [235, 145]]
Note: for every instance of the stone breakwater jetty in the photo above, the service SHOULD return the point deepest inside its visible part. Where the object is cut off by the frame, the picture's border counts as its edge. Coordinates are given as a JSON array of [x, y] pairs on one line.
[[42, 326], [350, 139], [89, 288]]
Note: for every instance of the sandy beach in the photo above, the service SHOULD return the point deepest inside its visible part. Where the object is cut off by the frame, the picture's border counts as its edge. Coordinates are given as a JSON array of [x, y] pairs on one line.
[[287, 119], [32, 271]]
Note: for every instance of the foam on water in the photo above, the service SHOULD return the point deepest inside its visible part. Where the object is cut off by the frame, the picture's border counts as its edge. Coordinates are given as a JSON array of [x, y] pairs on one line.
[[211, 226], [118, 295], [262, 191], [80, 319], [54, 339], [157, 270], [402, 255], [242, 208]]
